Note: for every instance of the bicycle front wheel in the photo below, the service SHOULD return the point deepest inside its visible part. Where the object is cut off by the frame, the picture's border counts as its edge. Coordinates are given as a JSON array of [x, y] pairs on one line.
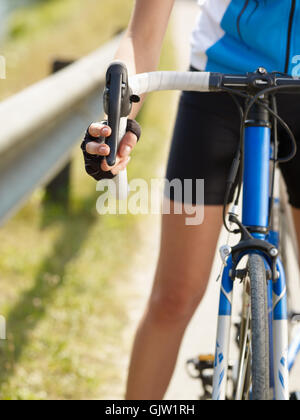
[[260, 365]]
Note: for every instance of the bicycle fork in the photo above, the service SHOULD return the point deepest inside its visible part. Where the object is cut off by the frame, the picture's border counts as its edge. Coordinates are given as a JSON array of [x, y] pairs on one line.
[[278, 333]]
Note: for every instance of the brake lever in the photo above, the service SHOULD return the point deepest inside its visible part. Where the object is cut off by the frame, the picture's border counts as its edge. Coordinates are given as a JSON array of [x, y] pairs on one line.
[[117, 104]]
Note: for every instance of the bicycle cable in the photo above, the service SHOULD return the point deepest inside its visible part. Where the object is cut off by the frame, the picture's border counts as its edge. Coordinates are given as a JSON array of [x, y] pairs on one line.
[[275, 154], [278, 118], [238, 163], [235, 165]]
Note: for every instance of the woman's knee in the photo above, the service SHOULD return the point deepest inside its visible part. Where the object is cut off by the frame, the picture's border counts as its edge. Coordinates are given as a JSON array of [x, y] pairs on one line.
[[184, 266], [175, 305]]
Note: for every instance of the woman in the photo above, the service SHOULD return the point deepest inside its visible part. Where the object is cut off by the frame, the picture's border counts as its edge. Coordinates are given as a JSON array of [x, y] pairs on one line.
[[230, 36]]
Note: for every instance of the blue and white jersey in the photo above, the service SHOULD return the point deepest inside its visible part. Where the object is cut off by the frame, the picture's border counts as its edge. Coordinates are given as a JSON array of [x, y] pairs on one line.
[[238, 36]]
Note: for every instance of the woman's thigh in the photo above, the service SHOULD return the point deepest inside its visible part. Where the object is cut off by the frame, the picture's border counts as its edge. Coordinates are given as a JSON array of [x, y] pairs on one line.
[[288, 109], [205, 141], [184, 265]]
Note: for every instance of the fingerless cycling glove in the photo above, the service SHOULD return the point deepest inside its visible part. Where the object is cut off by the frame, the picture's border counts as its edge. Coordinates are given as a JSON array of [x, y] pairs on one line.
[[93, 162]]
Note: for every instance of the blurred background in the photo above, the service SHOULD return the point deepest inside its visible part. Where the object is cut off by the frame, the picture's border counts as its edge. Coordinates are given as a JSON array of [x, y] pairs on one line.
[[74, 284], [68, 292]]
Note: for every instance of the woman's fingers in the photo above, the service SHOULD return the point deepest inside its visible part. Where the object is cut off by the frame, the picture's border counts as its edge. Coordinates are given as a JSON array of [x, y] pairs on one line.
[[94, 148], [121, 163], [127, 144], [121, 166], [99, 130]]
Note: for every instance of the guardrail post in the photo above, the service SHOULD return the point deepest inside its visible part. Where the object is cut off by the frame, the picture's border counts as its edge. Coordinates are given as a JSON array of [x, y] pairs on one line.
[[58, 190]]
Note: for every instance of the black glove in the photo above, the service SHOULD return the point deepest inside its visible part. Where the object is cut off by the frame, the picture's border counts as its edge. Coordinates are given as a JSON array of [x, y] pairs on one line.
[[93, 162]]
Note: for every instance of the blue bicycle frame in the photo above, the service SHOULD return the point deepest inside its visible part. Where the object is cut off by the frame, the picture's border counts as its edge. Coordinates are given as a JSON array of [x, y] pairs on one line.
[[256, 202]]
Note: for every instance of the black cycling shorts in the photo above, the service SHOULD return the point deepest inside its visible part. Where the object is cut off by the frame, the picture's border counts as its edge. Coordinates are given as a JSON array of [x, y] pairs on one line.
[[206, 138]]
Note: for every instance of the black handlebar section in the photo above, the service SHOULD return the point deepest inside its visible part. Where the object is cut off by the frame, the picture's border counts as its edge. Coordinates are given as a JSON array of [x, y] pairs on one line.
[[255, 82], [118, 96], [117, 104]]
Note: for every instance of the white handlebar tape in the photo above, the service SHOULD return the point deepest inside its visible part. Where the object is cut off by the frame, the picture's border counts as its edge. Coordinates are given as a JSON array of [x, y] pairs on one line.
[[158, 81], [121, 180], [169, 80]]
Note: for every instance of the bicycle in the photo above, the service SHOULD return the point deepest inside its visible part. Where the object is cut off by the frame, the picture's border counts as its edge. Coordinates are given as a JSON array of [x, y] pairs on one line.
[[262, 370]]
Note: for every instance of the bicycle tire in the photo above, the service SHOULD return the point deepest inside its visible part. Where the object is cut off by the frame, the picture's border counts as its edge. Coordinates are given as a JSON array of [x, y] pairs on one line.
[[260, 365]]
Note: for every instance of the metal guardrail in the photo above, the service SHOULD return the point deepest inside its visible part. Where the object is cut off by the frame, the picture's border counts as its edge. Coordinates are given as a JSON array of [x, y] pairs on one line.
[[41, 125]]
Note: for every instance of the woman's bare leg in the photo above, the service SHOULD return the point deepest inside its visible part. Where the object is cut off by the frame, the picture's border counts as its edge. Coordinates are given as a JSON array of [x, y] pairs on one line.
[[183, 271]]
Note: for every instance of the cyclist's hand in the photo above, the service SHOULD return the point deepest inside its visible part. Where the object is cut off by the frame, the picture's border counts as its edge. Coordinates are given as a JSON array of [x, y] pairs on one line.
[[126, 146], [95, 150]]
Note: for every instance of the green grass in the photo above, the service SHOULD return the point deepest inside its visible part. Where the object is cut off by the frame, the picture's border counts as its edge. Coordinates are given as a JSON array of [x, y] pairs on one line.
[[31, 21], [67, 29], [65, 281]]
